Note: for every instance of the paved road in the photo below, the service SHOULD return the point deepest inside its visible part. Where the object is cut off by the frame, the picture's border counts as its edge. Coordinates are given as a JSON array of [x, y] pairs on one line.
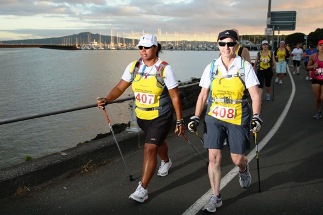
[[291, 172]]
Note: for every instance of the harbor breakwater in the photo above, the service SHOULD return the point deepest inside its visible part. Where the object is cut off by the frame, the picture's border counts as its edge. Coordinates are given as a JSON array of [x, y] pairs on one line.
[[22, 177]]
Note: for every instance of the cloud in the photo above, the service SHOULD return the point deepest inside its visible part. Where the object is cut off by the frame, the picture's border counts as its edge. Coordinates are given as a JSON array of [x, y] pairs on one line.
[[185, 17]]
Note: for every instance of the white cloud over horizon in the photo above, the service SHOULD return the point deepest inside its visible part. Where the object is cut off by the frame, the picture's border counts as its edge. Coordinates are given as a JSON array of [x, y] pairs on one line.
[[199, 19]]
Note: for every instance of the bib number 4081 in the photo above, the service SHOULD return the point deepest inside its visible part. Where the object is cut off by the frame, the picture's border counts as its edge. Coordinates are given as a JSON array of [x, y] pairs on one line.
[[145, 98], [221, 112]]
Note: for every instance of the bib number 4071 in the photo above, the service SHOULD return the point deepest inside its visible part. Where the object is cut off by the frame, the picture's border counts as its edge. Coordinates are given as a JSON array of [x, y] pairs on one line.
[[221, 112], [145, 98]]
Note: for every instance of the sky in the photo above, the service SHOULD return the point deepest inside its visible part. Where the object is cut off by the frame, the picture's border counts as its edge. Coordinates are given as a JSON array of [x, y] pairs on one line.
[[168, 19]]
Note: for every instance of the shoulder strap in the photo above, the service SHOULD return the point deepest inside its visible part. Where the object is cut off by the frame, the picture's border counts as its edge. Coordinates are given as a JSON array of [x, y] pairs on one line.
[[134, 69], [240, 51], [213, 70], [213, 73], [160, 72]]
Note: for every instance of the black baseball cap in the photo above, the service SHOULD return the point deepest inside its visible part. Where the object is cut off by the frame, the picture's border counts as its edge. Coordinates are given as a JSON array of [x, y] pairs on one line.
[[228, 33]]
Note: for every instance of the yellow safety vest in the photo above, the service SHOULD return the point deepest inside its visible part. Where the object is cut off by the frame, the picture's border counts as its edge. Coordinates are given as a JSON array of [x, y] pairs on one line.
[[227, 96], [265, 62], [151, 97]]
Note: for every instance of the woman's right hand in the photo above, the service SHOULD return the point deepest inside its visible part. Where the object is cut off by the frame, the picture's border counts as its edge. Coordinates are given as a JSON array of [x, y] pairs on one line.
[[102, 102]]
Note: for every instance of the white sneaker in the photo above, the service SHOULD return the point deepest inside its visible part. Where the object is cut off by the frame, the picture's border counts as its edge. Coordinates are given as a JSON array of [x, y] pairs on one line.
[[280, 82], [267, 97], [164, 167], [213, 203], [245, 178], [140, 195], [276, 80], [307, 78]]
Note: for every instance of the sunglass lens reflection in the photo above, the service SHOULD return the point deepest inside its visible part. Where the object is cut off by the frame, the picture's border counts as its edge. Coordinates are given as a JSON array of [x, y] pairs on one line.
[[229, 44], [141, 47]]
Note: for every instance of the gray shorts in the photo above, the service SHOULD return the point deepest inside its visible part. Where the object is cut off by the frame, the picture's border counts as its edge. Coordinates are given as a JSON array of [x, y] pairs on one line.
[[216, 131]]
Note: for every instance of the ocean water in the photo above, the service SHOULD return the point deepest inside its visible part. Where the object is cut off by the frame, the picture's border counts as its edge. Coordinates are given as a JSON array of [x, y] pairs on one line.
[[35, 80]]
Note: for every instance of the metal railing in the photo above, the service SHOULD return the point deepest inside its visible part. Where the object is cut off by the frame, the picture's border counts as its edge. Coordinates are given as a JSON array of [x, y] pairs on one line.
[[34, 116]]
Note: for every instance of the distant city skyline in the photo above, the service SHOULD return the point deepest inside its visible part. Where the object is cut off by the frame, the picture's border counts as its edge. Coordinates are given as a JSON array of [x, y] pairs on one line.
[[169, 19]]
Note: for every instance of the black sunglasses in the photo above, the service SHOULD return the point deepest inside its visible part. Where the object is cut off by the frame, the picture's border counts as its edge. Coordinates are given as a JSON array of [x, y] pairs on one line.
[[141, 47], [229, 44]]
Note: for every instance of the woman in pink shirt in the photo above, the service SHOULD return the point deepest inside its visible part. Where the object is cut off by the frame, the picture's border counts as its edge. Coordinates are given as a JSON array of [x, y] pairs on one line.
[[315, 65]]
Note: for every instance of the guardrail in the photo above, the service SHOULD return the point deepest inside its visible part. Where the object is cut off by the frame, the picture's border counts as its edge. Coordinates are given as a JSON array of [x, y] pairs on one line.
[[34, 116]]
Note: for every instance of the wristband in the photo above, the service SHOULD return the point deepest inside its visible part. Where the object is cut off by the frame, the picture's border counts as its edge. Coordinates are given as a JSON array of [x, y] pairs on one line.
[[179, 122]]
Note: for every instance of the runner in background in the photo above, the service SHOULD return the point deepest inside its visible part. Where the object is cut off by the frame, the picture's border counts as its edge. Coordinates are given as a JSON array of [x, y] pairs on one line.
[[264, 64], [315, 64], [281, 54], [297, 54], [308, 52]]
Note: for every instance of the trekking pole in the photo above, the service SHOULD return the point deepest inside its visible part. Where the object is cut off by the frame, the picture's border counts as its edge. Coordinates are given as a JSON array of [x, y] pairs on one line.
[[207, 163], [273, 97], [257, 157], [200, 138], [115, 139]]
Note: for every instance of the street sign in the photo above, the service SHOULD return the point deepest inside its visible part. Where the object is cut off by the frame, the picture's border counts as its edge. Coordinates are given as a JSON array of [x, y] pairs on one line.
[[268, 31], [283, 20]]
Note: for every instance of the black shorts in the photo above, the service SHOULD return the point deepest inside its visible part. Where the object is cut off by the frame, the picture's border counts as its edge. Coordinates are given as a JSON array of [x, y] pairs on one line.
[[315, 81], [264, 77], [296, 63], [157, 129]]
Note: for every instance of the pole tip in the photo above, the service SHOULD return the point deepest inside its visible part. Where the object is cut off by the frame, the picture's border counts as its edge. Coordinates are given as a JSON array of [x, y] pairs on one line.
[[131, 178]]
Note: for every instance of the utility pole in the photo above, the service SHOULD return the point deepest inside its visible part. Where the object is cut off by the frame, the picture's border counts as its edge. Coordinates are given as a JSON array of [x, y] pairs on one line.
[[268, 18]]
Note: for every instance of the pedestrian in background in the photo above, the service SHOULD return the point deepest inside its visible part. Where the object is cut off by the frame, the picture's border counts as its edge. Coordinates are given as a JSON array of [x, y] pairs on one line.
[[315, 64], [264, 64], [308, 52], [297, 54], [154, 101], [281, 54], [242, 51], [225, 85]]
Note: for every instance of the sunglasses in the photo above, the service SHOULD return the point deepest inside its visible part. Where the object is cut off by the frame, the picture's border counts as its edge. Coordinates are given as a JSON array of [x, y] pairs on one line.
[[141, 47], [229, 44]]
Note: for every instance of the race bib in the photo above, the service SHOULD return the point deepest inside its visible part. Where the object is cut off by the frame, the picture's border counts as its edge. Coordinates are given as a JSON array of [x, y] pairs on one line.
[[221, 112], [145, 98]]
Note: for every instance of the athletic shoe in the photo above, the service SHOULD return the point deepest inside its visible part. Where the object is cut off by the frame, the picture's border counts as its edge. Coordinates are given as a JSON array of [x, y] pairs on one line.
[[140, 195], [307, 78], [267, 97], [280, 82], [245, 178], [298, 73], [317, 115], [164, 167], [213, 203], [276, 80]]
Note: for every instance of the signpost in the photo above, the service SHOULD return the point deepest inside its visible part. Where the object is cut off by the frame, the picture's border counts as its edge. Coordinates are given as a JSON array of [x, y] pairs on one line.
[[280, 21], [283, 20]]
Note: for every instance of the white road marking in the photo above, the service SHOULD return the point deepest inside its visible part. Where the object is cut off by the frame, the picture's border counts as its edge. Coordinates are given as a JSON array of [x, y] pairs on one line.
[[197, 206]]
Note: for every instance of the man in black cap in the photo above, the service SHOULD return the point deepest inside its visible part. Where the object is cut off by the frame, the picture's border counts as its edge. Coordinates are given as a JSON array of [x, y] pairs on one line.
[[225, 85]]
